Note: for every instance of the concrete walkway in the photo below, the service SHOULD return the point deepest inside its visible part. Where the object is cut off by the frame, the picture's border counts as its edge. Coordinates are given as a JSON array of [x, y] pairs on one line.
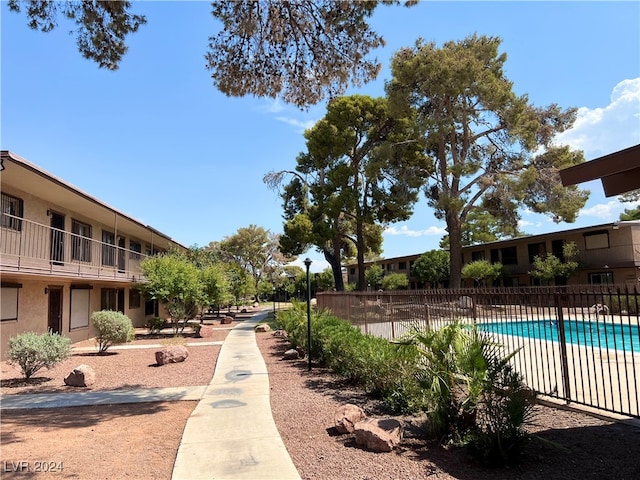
[[229, 435]]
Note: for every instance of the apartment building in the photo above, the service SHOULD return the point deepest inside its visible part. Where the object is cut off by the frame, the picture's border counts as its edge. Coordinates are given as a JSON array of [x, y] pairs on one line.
[[609, 254], [65, 254]]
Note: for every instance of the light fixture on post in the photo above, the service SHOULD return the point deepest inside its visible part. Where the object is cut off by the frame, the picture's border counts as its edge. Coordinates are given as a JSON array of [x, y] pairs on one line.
[[273, 297], [307, 263]]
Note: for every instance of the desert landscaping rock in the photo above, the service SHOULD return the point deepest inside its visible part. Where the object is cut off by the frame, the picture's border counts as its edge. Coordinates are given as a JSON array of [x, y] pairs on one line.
[[347, 416], [382, 435], [291, 354], [206, 331], [172, 354], [263, 327], [226, 320], [81, 376]]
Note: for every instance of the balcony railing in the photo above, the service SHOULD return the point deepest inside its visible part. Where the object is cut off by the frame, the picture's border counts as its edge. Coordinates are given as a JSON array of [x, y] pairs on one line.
[[32, 248]]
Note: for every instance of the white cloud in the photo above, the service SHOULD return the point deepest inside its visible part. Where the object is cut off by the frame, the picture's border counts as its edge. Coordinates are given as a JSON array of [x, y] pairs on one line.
[[404, 230], [300, 125], [605, 130], [609, 211]]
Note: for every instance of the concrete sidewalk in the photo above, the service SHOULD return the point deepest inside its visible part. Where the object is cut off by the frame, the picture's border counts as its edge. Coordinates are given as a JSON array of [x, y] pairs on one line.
[[231, 433]]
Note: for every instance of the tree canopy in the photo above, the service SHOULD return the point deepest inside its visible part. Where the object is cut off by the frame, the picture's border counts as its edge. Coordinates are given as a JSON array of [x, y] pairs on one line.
[[490, 148], [432, 267], [256, 251], [362, 170], [300, 50]]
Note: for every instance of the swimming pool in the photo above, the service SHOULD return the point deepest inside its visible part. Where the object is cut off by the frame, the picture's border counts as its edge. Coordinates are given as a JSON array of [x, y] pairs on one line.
[[585, 333]]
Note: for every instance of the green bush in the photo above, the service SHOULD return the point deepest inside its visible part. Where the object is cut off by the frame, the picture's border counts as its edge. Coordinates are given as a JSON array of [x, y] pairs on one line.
[[113, 328], [32, 351], [155, 324]]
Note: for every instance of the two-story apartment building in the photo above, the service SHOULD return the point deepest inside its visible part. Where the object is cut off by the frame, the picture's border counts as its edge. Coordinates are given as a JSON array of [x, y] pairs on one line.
[[609, 253], [65, 254]]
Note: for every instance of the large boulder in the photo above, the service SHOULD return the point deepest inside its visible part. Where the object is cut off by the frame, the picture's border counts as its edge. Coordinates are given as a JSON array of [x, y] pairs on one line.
[[381, 435], [347, 416], [172, 354], [81, 376], [263, 327], [206, 331], [226, 320]]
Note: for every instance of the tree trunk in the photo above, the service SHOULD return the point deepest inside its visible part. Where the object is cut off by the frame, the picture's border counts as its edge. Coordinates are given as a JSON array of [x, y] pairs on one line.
[[336, 269], [454, 227]]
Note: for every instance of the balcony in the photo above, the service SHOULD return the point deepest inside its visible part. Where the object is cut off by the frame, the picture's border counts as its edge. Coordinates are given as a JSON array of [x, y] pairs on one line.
[[30, 248]]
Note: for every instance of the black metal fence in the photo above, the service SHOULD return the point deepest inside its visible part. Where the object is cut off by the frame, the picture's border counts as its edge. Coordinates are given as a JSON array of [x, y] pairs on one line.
[[580, 344]]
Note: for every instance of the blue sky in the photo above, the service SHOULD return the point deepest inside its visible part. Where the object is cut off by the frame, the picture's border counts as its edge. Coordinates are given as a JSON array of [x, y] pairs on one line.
[[157, 141]]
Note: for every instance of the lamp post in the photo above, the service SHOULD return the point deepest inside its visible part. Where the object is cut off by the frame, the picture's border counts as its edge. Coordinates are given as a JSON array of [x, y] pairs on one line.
[[307, 262], [273, 297]]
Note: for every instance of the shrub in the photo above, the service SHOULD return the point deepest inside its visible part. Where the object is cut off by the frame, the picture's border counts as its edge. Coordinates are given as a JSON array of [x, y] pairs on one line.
[[113, 328], [155, 324], [32, 351]]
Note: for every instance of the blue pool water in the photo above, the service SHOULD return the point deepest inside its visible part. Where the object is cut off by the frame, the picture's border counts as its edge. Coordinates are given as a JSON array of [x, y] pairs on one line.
[[586, 333]]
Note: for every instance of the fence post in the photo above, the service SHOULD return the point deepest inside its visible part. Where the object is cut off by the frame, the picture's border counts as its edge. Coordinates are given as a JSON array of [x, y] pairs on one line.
[[563, 347]]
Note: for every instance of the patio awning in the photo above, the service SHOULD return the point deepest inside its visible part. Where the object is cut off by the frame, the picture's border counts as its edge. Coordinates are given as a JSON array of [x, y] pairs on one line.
[[619, 172]]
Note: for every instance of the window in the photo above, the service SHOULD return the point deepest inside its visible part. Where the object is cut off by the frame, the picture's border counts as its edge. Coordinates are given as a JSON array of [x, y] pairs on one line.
[[135, 249], [477, 256], [352, 271], [11, 212], [9, 301], [402, 266], [112, 299], [495, 255], [557, 249], [151, 307], [601, 278], [509, 256], [80, 306], [108, 250], [596, 240], [389, 267], [537, 250], [134, 298], [81, 245]]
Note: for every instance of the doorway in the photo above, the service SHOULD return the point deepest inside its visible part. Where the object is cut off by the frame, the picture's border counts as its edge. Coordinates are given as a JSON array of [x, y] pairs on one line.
[[55, 309], [57, 239]]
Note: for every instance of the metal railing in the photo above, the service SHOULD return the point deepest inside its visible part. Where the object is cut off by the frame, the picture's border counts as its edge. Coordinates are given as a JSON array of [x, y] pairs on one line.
[[580, 344], [30, 247]]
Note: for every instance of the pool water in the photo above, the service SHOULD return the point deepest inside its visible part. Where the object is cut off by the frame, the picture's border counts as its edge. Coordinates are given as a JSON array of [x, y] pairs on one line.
[[585, 333]]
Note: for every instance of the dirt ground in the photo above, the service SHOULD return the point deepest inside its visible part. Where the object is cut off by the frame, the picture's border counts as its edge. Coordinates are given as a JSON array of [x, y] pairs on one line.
[[141, 440]]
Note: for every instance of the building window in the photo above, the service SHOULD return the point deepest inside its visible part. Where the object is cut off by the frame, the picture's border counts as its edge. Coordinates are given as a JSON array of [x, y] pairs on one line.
[[477, 256], [134, 298], [557, 249], [108, 249], [536, 250], [80, 307], [151, 307], [81, 245], [389, 267], [495, 255], [352, 271], [135, 250], [11, 212], [112, 299], [601, 278], [596, 240], [509, 255], [402, 265], [9, 301]]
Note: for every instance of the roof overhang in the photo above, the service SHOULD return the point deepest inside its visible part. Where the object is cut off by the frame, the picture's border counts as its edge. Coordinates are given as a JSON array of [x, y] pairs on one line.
[[619, 172], [30, 178]]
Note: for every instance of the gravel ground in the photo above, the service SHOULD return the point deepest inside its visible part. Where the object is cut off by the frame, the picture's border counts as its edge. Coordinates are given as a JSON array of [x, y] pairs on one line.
[[141, 440], [568, 444]]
